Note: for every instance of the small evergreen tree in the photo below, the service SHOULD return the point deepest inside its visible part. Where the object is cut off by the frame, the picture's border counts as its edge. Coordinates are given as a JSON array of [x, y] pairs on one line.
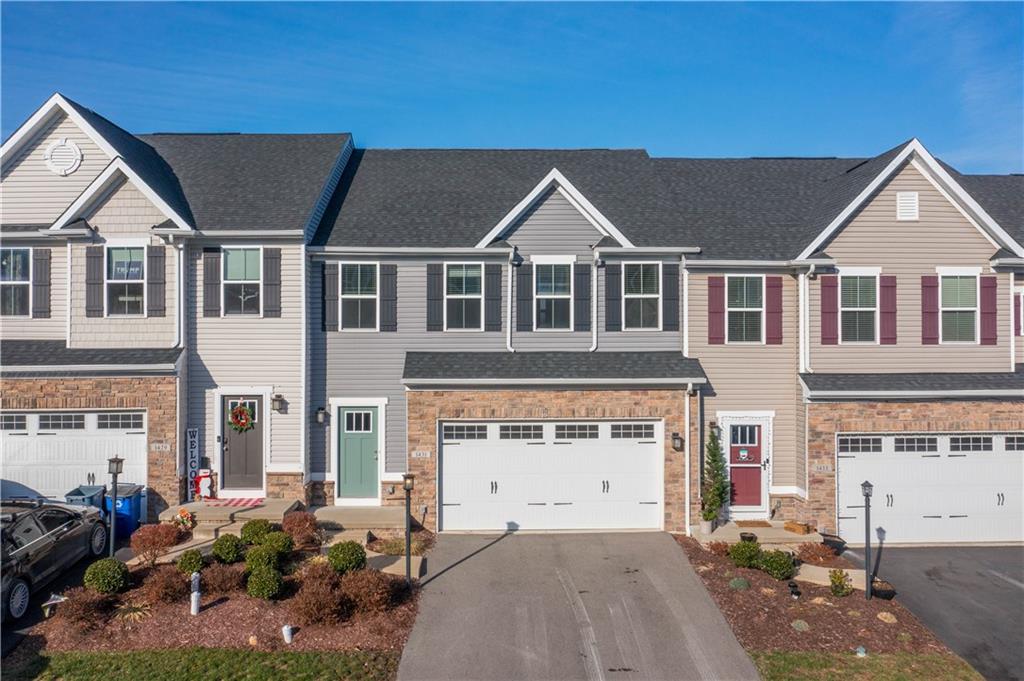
[[715, 491]]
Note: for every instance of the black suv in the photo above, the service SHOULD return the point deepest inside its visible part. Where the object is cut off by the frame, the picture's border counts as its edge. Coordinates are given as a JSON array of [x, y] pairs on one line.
[[40, 540]]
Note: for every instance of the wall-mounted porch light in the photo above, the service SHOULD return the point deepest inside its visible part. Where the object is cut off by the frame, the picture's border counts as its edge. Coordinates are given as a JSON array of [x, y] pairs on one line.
[[277, 402], [321, 415], [677, 442]]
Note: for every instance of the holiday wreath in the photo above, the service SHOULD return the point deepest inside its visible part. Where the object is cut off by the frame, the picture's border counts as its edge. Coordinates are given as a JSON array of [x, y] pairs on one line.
[[241, 418]]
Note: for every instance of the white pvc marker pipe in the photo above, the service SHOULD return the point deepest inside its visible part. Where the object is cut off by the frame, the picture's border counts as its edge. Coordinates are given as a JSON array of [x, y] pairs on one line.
[[195, 594], [286, 633]]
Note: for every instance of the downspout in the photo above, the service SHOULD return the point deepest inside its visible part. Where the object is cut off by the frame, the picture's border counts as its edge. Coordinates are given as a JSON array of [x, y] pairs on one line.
[[686, 448], [179, 331], [805, 327], [508, 328], [686, 308], [593, 304]]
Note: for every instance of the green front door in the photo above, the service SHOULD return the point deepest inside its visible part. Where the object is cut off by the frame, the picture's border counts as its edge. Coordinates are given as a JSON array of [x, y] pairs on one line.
[[357, 449]]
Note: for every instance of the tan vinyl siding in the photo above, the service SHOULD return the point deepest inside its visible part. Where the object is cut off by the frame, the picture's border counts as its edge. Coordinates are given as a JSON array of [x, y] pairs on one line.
[[909, 250], [32, 194], [126, 214], [249, 351], [749, 377], [55, 326]]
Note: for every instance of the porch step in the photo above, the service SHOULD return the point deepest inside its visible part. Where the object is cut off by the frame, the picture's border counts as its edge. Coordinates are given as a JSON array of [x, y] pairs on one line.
[[273, 510], [360, 517], [211, 530], [776, 535]]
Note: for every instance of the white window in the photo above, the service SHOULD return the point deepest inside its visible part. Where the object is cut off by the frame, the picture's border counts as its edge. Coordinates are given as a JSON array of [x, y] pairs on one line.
[[641, 295], [13, 422], [359, 300], [632, 431], [455, 431], [61, 421], [859, 444], [463, 297], [119, 420], [970, 443], [126, 281], [906, 206], [521, 431], [958, 300], [916, 444], [576, 431], [858, 308], [1015, 443], [553, 296], [358, 422], [15, 281], [248, 404], [745, 309], [743, 435], [242, 281]]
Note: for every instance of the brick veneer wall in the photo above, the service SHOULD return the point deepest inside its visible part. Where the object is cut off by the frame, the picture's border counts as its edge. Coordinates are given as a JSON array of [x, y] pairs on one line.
[[156, 394], [426, 408]]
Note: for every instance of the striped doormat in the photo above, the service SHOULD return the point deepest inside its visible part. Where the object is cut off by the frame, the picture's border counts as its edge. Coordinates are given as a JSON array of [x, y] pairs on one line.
[[233, 503]]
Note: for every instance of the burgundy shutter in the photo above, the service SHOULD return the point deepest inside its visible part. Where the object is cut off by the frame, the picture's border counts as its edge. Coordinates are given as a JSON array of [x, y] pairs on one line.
[[716, 310], [1017, 331], [887, 310], [829, 310], [989, 307], [773, 310], [930, 310]]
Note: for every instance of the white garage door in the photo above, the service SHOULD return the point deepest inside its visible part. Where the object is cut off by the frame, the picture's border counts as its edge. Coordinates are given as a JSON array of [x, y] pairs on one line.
[[54, 452], [932, 487], [551, 475]]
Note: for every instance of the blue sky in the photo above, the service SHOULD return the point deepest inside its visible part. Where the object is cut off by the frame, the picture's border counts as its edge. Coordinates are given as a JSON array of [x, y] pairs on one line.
[[817, 79]]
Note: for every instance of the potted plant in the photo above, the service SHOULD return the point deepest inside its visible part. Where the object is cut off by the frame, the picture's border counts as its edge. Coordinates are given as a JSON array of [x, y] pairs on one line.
[[715, 490]]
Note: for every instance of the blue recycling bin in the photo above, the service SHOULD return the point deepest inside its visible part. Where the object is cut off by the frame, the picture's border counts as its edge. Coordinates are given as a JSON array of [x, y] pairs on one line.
[[87, 495], [129, 503]]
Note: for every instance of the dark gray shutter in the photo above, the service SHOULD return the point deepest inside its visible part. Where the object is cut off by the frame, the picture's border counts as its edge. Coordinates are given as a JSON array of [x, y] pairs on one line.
[[94, 281], [581, 297], [670, 296], [492, 298], [389, 297], [330, 284], [435, 296], [211, 282], [41, 283], [156, 281], [613, 297], [271, 282], [524, 297]]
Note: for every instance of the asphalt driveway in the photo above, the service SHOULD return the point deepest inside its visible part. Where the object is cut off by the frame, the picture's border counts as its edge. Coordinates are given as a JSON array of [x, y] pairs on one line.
[[567, 606], [971, 597]]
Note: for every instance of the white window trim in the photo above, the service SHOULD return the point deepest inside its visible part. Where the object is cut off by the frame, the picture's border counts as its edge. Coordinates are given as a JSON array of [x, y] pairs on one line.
[[219, 394], [464, 296], [961, 272], [224, 279], [134, 243], [762, 309], [27, 284], [917, 206], [636, 296], [765, 419], [357, 296], [546, 260], [332, 472], [875, 272]]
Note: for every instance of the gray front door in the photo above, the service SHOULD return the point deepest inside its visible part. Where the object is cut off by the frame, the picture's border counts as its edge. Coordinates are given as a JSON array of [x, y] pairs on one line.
[[242, 449]]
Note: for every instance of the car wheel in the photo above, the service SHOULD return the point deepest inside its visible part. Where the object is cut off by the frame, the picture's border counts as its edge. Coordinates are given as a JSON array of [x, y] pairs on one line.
[[17, 599], [97, 540]]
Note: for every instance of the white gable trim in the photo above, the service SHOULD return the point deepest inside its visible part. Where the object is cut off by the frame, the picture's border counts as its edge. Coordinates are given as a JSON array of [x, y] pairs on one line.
[[937, 174], [44, 115], [558, 180], [113, 173]]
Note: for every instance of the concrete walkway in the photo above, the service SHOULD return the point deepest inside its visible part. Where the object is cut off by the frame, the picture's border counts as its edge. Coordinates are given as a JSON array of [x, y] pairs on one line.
[[568, 606]]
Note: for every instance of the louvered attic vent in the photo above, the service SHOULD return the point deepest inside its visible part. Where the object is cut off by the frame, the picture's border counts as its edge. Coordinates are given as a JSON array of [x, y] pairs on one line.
[[906, 206]]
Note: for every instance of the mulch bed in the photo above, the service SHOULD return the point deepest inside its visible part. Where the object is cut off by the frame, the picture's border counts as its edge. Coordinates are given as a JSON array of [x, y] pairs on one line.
[[762, 616]]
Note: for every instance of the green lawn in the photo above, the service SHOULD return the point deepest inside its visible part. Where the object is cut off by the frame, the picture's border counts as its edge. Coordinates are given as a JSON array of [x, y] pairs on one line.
[[805, 666], [197, 664]]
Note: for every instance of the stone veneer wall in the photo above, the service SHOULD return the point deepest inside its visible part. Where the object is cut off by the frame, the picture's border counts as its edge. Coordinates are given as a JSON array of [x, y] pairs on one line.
[[286, 486], [426, 408], [156, 394]]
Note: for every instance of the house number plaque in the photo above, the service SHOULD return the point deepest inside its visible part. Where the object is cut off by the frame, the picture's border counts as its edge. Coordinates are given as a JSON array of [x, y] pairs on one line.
[[421, 454]]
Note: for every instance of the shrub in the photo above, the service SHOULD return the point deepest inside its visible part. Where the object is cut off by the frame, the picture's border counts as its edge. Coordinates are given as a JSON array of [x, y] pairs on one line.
[[372, 591], [107, 576], [778, 564], [85, 608], [227, 548], [396, 546], [719, 548], [221, 579], [715, 490], [840, 583], [317, 569], [149, 542], [165, 585], [190, 561], [347, 556], [301, 526], [745, 554], [815, 552], [261, 557], [264, 582], [254, 530], [319, 599], [278, 542]]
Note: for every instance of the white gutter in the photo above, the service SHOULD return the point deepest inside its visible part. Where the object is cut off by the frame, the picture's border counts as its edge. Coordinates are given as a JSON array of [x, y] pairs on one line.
[[761, 264], [404, 250], [553, 381], [1007, 262], [46, 232], [60, 368], [637, 250], [899, 394], [511, 314], [593, 305]]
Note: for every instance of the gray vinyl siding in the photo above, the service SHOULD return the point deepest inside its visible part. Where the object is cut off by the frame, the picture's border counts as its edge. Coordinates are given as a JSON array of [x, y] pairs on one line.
[[32, 194], [638, 340], [52, 327], [910, 250]]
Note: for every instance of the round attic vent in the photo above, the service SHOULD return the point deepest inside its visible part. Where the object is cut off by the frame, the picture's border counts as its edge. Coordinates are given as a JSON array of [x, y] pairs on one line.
[[63, 157]]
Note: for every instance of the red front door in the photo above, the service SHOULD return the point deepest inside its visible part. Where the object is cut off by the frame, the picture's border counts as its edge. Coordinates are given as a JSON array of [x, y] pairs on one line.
[[745, 465]]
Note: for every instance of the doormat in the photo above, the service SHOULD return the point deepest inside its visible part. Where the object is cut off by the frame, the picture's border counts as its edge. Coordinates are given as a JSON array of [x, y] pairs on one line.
[[753, 523], [233, 503]]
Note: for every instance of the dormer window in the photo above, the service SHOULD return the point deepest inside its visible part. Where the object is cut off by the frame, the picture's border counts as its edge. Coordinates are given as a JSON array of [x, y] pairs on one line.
[[553, 296], [126, 281]]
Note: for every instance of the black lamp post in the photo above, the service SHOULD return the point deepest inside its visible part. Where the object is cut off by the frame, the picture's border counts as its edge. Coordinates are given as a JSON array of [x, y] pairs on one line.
[[408, 479], [866, 488], [114, 466]]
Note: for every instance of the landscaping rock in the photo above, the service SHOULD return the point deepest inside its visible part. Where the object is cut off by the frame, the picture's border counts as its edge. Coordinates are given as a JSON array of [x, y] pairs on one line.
[[703, 568], [887, 617], [768, 591], [739, 584], [821, 600], [853, 613], [800, 625]]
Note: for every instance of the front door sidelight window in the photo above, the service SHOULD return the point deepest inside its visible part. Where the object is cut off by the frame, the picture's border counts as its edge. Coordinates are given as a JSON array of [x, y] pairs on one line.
[[242, 281]]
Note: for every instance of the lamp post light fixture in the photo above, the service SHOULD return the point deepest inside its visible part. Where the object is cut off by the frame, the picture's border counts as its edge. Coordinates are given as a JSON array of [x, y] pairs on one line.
[[115, 465], [866, 488], [408, 480]]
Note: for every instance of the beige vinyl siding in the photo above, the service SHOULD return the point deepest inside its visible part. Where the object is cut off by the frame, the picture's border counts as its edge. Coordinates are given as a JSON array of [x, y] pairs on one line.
[[249, 351], [126, 214], [754, 377], [55, 326], [32, 194], [909, 250]]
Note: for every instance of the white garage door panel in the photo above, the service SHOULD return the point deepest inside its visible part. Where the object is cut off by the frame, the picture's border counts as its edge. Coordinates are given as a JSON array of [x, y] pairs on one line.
[[549, 484]]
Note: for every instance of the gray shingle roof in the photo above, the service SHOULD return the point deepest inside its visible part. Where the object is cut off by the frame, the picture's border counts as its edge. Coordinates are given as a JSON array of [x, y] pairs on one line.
[[54, 353], [462, 366], [927, 382], [1002, 197]]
